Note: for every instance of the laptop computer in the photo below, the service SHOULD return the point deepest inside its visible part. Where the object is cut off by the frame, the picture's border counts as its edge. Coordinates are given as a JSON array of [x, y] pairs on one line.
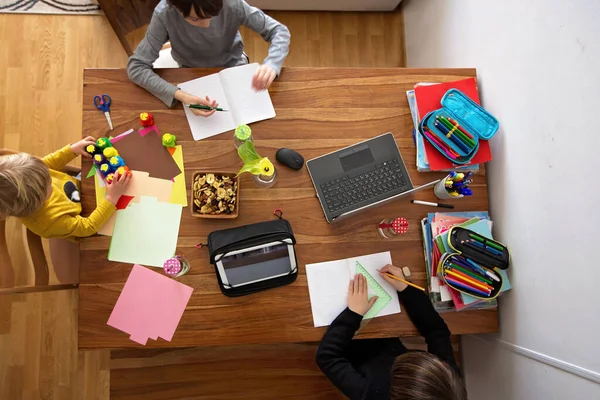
[[360, 176]]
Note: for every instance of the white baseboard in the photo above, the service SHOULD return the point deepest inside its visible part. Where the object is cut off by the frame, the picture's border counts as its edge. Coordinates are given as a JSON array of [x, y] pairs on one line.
[[546, 359]]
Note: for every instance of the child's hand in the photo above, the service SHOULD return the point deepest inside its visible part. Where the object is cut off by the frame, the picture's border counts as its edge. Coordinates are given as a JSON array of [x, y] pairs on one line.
[[263, 77], [390, 269], [116, 189], [187, 98], [358, 297], [79, 147]]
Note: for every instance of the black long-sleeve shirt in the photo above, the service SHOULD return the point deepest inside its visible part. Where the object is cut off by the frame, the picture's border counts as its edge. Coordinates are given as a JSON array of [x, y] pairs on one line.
[[361, 368]]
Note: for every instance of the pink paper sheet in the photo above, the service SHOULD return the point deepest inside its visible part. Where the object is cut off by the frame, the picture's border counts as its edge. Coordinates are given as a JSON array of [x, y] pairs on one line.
[[150, 305], [121, 136], [146, 130]]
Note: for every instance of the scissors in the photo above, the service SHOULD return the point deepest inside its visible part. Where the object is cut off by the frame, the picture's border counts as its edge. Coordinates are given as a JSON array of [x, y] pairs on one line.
[[102, 103]]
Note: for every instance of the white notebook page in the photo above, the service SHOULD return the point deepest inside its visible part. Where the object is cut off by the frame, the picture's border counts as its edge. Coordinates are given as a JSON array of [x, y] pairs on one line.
[[247, 104], [220, 121], [328, 286]]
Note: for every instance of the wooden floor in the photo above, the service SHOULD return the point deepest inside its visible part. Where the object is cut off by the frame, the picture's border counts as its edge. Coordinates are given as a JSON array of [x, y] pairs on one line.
[[41, 63]]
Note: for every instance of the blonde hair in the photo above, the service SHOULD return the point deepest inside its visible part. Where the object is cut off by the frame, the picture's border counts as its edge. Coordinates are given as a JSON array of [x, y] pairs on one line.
[[24, 183]]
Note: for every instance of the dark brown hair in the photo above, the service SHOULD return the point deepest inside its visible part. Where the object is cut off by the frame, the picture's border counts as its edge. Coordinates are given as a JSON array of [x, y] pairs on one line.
[[204, 8], [423, 376]]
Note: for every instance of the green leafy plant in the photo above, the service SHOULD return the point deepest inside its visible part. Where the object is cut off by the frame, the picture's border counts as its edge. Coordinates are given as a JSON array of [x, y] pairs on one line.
[[253, 162]]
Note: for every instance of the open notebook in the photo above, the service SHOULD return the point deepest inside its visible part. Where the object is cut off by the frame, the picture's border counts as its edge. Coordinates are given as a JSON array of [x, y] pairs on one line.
[[328, 286], [232, 89]]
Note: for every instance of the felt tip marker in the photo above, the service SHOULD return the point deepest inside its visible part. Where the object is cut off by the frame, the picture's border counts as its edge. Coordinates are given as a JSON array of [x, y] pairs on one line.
[[428, 203]]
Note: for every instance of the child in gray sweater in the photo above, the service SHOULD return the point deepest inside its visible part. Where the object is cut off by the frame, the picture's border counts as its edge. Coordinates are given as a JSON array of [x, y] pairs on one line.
[[204, 34]]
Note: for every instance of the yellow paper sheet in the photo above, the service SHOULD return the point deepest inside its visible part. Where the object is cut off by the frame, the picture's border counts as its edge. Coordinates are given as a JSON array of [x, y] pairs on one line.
[[179, 193]]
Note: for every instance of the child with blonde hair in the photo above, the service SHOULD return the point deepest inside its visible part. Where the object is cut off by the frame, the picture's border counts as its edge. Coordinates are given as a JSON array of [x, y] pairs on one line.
[[47, 200]]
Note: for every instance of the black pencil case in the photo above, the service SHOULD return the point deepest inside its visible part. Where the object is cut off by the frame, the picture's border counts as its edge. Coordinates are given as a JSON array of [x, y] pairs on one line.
[[242, 237], [462, 241]]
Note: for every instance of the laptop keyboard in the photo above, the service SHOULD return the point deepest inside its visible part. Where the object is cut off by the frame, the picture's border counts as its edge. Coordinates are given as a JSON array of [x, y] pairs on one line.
[[350, 190]]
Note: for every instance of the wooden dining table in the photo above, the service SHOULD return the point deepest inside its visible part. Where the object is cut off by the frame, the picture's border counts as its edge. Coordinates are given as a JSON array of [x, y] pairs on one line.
[[319, 110]]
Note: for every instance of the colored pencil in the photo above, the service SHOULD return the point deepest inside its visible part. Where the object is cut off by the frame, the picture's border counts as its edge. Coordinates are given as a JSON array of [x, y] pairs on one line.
[[475, 281], [487, 242], [474, 265], [439, 143], [466, 287], [402, 280], [465, 278], [489, 253], [485, 247], [460, 134], [471, 273], [460, 127], [451, 137]]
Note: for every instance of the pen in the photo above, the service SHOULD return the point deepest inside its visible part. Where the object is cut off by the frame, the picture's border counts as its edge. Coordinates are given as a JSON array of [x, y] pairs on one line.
[[203, 107], [402, 280], [428, 203]]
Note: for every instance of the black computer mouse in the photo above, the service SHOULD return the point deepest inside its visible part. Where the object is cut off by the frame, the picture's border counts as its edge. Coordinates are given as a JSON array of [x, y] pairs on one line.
[[290, 158]]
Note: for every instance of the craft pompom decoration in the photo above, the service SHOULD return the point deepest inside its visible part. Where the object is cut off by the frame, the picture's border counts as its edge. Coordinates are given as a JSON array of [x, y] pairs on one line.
[[99, 159], [103, 143], [110, 152], [146, 119], [116, 162], [91, 149], [169, 140]]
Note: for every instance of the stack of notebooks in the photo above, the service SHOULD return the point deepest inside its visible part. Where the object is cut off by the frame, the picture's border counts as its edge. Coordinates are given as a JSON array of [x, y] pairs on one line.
[[426, 97], [435, 243]]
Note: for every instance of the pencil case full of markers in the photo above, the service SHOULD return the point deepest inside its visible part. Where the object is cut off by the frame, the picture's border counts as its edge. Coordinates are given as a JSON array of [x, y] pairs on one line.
[[456, 129], [473, 267]]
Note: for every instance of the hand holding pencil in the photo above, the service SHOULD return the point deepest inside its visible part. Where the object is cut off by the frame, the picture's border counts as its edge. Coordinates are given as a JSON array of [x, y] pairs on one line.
[[395, 277]]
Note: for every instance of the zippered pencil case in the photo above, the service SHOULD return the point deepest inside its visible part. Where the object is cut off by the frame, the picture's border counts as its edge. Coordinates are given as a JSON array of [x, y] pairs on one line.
[[456, 129], [473, 266]]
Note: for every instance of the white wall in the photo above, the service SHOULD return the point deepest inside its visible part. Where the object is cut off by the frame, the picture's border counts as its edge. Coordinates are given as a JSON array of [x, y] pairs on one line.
[[538, 65]]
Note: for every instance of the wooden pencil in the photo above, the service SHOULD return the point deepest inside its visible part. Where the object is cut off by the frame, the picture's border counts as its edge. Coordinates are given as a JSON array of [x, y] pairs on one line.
[[402, 280]]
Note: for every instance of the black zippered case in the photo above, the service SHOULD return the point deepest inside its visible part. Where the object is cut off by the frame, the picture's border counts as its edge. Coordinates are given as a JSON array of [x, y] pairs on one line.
[[223, 241]]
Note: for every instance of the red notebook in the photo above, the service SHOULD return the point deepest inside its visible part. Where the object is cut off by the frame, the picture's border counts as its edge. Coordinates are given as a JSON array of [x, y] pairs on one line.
[[428, 99]]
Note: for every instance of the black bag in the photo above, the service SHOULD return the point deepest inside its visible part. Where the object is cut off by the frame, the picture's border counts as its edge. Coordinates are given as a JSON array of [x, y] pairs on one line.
[[220, 242]]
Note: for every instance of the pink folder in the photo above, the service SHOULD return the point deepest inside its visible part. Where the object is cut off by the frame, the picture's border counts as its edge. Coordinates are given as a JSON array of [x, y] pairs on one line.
[[150, 305]]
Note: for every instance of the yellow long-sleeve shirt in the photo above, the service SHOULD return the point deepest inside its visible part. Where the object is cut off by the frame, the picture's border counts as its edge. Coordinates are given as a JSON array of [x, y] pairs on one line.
[[59, 216]]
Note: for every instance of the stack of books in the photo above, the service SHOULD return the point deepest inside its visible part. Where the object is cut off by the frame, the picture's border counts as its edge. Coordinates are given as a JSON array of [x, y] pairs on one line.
[[426, 97], [435, 243]]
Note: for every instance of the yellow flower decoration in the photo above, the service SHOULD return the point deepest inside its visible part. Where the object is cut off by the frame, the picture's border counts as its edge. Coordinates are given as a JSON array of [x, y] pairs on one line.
[[266, 167], [254, 163]]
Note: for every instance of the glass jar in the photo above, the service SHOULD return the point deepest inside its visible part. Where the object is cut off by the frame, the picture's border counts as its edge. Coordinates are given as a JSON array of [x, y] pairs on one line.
[[265, 181], [176, 266], [242, 134], [392, 227]]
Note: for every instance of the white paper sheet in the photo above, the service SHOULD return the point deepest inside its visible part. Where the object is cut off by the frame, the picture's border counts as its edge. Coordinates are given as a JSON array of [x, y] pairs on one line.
[[232, 89], [328, 286], [247, 104], [220, 121]]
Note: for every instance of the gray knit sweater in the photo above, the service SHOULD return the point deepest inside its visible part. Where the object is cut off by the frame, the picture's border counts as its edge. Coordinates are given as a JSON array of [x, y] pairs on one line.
[[219, 45]]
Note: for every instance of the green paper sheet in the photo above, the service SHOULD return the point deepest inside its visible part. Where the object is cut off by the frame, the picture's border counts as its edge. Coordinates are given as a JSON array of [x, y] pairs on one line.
[[145, 232], [92, 171]]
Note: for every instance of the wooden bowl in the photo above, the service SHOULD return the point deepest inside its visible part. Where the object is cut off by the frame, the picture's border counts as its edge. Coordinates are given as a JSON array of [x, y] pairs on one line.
[[196, 210]]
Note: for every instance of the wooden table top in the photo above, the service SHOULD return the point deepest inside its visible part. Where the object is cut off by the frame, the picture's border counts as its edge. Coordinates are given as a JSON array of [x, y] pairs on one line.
[[319, 110]]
